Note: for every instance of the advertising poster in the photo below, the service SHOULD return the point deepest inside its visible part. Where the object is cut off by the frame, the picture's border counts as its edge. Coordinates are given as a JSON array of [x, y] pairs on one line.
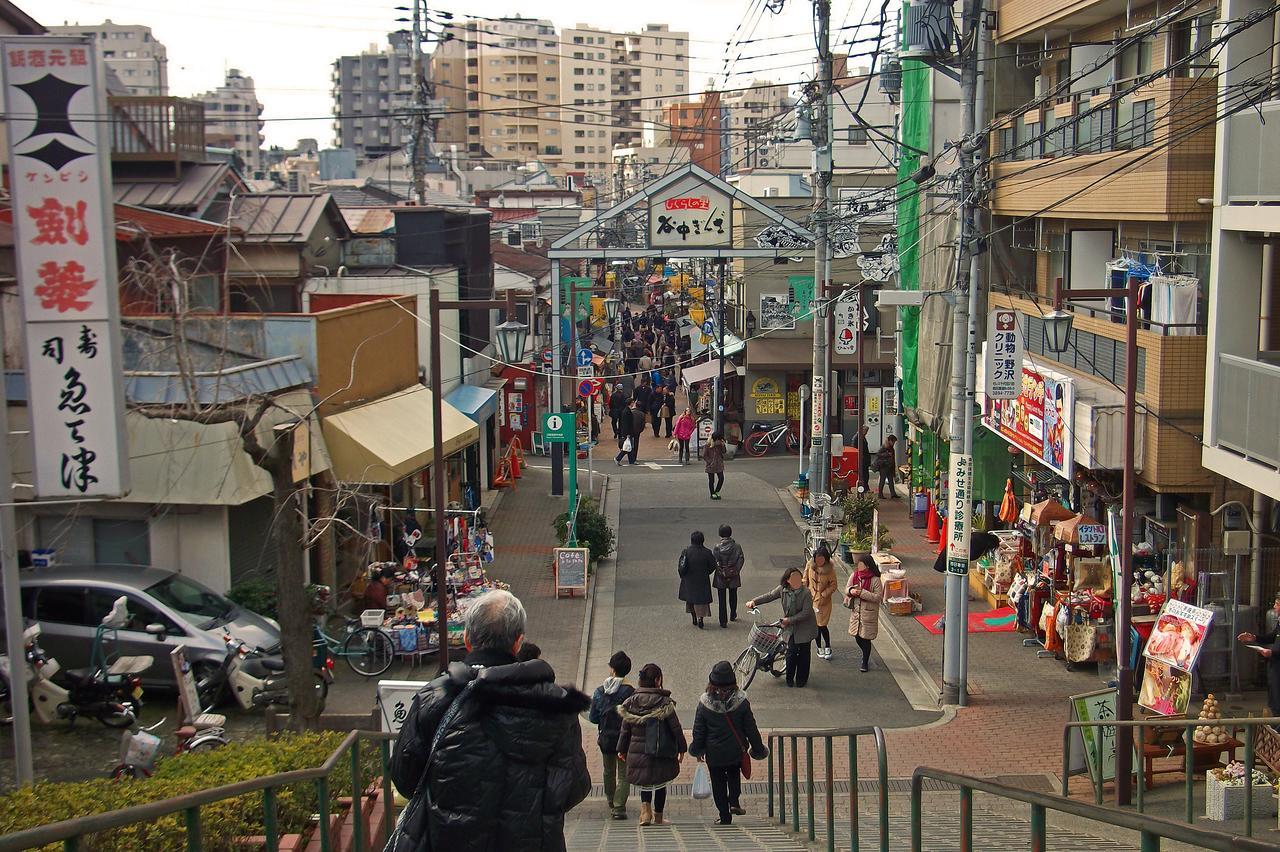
[[1178, 635], [1165, 690], [1093, 748], [1038, 420], [775, 311]]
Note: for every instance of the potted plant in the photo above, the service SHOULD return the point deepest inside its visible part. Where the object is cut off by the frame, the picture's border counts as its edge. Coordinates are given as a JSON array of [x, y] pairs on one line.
[[854, 545], [1224, 792]]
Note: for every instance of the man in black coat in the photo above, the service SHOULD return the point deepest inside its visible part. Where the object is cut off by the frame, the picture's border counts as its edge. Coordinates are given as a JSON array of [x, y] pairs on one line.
[[490, 754], [633, 420], [618, 402], [697, 564]]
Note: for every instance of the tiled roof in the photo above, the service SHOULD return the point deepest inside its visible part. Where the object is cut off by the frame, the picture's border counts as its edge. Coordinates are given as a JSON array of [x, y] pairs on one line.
[[513, 214], [518, 260], [133, 223]]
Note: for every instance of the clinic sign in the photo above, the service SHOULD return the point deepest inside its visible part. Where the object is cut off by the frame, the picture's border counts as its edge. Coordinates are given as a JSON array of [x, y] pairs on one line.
[[1038, 419], [690, 214], [1004, 355], [64, 235], [960, 517]]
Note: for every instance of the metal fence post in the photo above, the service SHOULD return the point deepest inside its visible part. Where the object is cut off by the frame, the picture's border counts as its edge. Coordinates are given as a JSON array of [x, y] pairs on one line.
[[917, 840], [1150, 842], [853, 793], [194, 842], [1248, 781], [882, 759], [795, 785], [322, 795], [1190, 762], [357, 802], [782, 781], [269, 828], [831, 795], [966, 819], [1140, 743], [388, 798], [1037, 828], [71, 844], [808, 755]]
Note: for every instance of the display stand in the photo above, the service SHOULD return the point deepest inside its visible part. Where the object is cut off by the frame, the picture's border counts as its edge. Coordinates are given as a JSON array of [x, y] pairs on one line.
[[571, 570]]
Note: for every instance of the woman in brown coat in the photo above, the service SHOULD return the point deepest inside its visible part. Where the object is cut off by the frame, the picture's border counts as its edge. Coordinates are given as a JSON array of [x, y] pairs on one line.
[[651, 742], [863, 595], [820, 580]]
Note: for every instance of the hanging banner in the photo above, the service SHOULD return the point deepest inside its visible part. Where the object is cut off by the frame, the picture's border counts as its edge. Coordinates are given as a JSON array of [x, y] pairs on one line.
[[1178, 635], [1004, 355], [64, 234], [960, 517], [847, 315], [1038, 419], [818, 403]]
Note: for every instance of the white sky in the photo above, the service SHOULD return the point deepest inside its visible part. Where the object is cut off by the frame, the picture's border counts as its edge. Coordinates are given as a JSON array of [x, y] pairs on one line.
[[287, 45]]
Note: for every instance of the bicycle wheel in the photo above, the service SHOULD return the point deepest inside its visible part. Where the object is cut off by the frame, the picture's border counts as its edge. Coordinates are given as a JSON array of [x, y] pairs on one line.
[[745, 668], [368, 651], [758, 444]]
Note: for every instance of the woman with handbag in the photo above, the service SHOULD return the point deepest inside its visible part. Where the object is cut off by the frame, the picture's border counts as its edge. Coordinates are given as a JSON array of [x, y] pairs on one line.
[[651, 742], [862, 596], [726, 737], [820, 580], [684, 432]]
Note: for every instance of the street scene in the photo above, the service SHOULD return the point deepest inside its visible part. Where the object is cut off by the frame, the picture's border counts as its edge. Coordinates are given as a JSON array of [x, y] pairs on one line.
[[780, 424]]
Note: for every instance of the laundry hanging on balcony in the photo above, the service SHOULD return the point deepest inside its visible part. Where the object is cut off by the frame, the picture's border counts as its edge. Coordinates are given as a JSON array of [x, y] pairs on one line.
[[1174, 299]]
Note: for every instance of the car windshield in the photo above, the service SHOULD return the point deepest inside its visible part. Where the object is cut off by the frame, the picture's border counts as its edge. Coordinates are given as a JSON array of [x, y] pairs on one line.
[[192, 601]]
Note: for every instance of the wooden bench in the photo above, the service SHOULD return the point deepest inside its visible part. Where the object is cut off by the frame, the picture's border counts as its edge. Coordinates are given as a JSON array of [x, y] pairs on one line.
[[1204, 756]]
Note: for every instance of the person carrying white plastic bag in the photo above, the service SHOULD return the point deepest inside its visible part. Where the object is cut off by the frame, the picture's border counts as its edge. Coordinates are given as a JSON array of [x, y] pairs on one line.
[[702, 782]]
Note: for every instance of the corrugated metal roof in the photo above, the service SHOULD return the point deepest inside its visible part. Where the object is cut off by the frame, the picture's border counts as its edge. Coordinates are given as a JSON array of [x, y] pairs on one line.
[[216, 388], [192, 193], [278, 217], [513, 214]]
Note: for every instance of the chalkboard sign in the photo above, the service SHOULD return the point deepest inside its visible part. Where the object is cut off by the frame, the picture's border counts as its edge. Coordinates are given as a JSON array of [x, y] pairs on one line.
[[571, 570]]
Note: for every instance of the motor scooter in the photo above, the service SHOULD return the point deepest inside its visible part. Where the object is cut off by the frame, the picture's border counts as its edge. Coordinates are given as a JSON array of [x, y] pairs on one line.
[[111, 681], [257, 679]]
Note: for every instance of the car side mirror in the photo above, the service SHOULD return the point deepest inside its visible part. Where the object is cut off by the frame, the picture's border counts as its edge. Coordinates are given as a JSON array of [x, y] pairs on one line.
[[157, 630]]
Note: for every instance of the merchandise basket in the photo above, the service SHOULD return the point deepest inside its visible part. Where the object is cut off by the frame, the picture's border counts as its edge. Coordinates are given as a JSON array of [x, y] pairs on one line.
[[765, 639], [899, 606], [372, 618]]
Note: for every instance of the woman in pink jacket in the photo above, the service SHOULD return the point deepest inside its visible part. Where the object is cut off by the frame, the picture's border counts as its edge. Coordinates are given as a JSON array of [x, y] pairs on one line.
[[684, 431]]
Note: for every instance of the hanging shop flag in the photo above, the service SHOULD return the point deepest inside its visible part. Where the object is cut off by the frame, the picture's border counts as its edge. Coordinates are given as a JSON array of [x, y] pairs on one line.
[[1178, 635], [847, 314], [1038, 420], [64, 232], [1004, 355]]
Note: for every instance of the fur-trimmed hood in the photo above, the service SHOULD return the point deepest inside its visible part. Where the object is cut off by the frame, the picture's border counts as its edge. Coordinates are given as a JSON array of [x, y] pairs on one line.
[[647, 703], [728, 705]]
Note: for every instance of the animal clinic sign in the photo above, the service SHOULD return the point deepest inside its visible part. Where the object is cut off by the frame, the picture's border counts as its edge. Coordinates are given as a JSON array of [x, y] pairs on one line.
[[690, 214], [64, 234]]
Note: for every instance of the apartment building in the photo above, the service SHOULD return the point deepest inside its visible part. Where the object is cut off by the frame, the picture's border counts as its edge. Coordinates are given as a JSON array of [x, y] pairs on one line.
[[756, 114], [367, 88], [1103, 151], [698, 126], [586, 91], [129, 50], [233, 119], [651, 71]]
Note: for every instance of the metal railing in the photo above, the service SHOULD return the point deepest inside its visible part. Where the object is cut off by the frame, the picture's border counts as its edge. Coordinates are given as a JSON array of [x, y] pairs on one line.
[[1187, 745], [1152, 829], [777, 747], [71, 832], [1245, 409]]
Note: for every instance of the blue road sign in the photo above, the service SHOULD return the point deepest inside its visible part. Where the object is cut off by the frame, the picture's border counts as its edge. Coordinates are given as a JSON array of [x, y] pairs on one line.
[[584, 357], [708, 328]]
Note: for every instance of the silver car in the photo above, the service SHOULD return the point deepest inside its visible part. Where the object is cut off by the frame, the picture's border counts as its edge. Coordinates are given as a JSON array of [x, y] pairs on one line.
[[70, 601]]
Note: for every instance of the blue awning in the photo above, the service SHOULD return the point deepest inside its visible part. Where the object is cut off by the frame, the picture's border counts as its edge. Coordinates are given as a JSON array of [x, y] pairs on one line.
[[476, 402]]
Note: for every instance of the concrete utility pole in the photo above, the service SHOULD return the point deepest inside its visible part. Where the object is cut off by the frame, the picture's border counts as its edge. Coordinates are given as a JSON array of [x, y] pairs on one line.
[[820, 444], [418, 150], [963, 352]]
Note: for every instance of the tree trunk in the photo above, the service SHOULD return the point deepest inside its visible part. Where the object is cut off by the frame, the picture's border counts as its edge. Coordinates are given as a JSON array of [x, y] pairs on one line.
[[296, 628]]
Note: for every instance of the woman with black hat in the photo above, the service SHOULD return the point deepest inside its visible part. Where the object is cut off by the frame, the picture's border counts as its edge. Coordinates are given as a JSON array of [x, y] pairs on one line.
[[726, 737]]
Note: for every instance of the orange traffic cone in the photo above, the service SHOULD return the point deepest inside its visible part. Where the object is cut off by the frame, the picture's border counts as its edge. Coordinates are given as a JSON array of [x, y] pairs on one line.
[[515, 465], [942, 540], [933, 534]]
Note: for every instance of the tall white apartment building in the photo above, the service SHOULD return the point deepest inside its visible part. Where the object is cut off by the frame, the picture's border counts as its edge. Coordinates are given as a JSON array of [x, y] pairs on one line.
[[130, 50], [233, 119]]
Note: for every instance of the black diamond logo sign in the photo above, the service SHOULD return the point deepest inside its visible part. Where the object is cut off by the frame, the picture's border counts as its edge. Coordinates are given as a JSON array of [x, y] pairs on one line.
[[52, 98], [54, 154]]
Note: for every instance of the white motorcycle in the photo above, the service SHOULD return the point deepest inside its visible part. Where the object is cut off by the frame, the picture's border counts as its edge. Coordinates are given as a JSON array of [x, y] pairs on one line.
[[45, 696]]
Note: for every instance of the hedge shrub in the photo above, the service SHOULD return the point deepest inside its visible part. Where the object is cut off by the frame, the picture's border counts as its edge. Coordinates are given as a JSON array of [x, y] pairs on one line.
[[221, 822]]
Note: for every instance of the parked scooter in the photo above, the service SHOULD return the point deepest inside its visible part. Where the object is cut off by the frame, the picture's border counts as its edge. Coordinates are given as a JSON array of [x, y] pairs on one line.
[[257, 679], [111, 682]]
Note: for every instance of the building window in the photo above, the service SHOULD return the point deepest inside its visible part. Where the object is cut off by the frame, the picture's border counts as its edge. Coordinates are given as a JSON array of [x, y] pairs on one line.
[[858, 135]]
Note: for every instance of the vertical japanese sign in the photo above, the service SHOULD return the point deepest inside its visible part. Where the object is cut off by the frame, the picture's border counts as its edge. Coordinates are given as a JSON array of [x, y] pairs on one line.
[[1093, 748], [818, 403], [960, 517], [848, 314], [1004, 355], [64, 231]]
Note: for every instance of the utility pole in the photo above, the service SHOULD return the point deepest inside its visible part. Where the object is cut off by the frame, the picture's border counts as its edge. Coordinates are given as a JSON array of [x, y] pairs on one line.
[[820, 443], [963, 353], [720, 285], [418, 150]]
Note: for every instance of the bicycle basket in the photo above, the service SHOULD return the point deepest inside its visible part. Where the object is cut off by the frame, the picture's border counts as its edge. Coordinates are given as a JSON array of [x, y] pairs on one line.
[[765, 639]]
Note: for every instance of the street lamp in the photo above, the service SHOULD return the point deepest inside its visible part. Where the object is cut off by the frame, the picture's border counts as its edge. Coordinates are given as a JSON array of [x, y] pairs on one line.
[[1057, 330], [611, 307], [511, 337]]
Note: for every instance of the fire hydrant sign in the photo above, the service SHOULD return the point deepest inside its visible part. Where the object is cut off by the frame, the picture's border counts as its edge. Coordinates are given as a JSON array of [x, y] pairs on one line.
[[64, 233], [960, 518], [1004, 355]]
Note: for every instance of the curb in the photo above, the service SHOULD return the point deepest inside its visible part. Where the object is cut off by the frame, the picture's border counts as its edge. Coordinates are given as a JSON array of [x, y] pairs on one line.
[[612, 509], [911, 675]]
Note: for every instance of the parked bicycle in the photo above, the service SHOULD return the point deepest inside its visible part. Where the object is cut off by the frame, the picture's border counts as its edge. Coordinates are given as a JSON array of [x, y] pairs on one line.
[[764, 652], [765, 438], [369, 651], [139, 749]]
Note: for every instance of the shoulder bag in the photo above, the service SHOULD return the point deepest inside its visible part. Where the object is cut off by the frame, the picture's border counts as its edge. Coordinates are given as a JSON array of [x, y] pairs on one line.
[[746, 755]]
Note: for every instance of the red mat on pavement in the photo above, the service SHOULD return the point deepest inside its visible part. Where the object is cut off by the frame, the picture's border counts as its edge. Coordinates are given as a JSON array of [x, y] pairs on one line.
[[1003, 620]]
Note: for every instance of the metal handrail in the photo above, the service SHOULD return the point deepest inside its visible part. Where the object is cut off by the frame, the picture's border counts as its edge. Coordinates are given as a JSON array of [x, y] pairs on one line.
[[1188, 745], [1152, 829], [777, 745], [69, 832]]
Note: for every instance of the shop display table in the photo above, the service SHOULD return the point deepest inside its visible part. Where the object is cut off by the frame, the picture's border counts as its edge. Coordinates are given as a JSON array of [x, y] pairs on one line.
[[1204, 756]]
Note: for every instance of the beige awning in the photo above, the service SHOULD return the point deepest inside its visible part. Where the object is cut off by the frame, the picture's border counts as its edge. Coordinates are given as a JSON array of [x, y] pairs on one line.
[[384, 441]]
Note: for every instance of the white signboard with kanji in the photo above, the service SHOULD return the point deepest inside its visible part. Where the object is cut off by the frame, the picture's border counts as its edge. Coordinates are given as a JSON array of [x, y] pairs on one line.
[[690, 214], [818, 398], [64, 233], [960, 517], [848, 313], [1004, 355]]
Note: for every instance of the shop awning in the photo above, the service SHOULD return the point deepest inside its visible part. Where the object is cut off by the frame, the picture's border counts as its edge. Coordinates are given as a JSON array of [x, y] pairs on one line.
[[702, 372], [477, 403], [384, 441]]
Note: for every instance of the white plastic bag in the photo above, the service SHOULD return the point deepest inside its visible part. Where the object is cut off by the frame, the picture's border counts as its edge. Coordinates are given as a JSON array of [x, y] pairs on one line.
[[701, 782], [626, 444]]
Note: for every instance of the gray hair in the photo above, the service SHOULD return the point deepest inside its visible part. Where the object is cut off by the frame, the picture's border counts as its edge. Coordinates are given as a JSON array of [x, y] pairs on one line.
[[495, 621]]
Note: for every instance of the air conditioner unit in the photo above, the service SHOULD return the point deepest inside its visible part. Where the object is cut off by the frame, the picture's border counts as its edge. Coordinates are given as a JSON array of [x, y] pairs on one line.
[[513, 237]]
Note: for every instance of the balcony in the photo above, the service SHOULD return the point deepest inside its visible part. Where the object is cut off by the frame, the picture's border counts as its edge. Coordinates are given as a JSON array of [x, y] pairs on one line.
[[1249, 169], [1103, 155], [1246, 408], [156, 134], [1020, 18]]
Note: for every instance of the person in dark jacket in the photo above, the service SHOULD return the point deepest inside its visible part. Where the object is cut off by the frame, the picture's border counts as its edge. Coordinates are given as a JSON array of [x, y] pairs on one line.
[[1270, 644], [696, 566], [887, 466], [799, 620], [604, 714], [657, 402], [643, 393], [634, 421], [618, 402], [728, 578], [490, 755], [668, 409], [652, 743], [713, 461], [724, 729], [864, 459]]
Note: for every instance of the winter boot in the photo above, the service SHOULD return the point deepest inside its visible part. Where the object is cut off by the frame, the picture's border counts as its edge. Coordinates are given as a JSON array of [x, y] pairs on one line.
[[646, 813], [657, 818]]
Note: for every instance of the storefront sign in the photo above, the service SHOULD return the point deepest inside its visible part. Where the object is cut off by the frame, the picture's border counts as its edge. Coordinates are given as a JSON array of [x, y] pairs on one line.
[[1091, 535], [64, 234], [690, 214], [766, 395], [1178, 635], [847, 316], [1093, 748], [775, 311], [1038, 420], [960, 517], [1004, 355], [818, 403], [395, 697]]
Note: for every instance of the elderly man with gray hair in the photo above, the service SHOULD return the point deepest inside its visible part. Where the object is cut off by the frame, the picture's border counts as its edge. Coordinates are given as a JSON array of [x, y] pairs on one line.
[[490, 755]]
